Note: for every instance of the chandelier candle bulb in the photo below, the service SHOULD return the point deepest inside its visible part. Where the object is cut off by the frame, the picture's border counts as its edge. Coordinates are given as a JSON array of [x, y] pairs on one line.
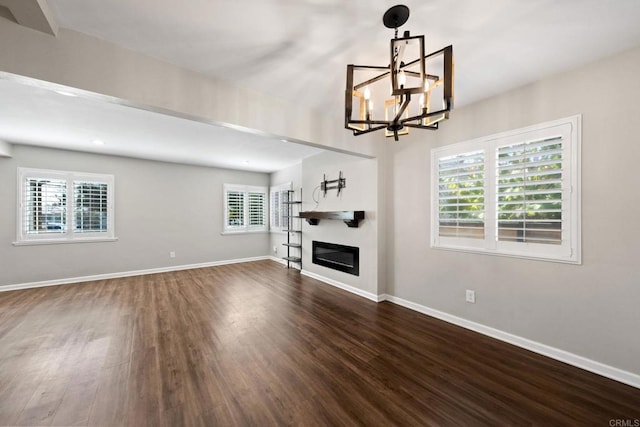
[[402, 78]]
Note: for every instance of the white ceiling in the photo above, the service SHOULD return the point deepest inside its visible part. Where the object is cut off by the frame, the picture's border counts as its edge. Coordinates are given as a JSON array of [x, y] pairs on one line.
[[37, 115], [298, 50]]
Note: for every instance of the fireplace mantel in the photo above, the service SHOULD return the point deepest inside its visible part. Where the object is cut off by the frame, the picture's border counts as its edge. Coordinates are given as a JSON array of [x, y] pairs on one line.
[[351, 218]]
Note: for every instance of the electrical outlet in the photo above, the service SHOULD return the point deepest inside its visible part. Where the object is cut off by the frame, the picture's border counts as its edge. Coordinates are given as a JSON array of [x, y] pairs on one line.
[[471, 296], [275, 249], [172, 254]]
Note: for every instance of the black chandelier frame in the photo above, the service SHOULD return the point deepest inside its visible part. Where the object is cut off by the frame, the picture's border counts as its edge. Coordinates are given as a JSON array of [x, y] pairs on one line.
[[365, 123]]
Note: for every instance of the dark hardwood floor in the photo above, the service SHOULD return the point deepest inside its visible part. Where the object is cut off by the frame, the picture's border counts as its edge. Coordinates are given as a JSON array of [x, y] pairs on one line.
[[257, 344]]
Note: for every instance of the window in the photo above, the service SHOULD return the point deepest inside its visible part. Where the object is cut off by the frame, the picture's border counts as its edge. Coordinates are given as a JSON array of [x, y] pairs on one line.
[[515, 193], [529, 191], [279, 208], [461, 195], [58, 206], [245, 208]]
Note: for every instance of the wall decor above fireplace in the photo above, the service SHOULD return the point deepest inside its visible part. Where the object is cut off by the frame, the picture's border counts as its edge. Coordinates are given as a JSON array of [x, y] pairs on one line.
[[351, 218]]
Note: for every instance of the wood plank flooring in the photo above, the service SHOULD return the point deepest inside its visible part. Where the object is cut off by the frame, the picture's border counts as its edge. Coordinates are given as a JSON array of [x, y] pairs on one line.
[[257, 344]]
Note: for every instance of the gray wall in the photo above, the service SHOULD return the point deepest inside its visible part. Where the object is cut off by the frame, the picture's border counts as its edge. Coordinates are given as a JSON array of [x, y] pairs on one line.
[[361, 193], [292, 174], [589, 309], [81, 61], [159, 207]]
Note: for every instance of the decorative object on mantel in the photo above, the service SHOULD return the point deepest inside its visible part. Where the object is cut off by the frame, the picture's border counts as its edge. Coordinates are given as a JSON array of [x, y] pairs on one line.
[[340, 184], [351, 218], [405, 75]]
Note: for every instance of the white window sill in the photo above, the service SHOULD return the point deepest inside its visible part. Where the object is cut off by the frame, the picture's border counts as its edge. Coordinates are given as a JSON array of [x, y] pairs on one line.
[[536, 257], [64, 241], [231, 233]]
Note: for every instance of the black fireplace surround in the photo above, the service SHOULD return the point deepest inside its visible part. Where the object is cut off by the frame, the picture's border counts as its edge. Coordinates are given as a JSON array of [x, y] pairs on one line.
[[338, 257]]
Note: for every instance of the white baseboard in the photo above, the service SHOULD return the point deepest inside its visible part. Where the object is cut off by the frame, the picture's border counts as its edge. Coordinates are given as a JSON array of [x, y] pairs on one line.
[[616, 374], [126, 274], [279, 260], [344, 286]]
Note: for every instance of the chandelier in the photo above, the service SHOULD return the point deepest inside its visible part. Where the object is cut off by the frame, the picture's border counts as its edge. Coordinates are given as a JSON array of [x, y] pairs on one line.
[[404, 80]]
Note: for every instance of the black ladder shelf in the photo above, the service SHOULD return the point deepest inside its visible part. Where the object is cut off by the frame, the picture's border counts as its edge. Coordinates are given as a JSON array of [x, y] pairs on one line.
[[293, 230]]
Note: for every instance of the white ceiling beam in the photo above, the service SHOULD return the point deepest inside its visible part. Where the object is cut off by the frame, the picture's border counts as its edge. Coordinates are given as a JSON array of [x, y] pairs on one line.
[[86, 63], [5, 149], [34, 14]]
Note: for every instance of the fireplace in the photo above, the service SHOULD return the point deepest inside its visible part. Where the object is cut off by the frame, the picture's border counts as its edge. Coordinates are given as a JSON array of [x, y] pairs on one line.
[[338, 257]]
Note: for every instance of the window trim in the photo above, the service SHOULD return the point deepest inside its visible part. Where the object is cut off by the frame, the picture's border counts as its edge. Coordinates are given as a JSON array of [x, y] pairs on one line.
[[70, 236], [245, 228], [569, 252]]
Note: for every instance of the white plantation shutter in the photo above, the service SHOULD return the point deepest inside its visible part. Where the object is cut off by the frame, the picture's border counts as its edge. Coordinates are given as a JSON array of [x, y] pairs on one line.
[[245, 208], [461, 181], [529, 191], [257, 209], [285, 198], [279, 199], [275, 209], [44, 206], [515, 193], [90, 207], [235, 209], [60, 205]]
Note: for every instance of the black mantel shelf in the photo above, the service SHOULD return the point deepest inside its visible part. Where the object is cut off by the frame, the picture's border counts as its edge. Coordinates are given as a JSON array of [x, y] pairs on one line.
[[351, 218]]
